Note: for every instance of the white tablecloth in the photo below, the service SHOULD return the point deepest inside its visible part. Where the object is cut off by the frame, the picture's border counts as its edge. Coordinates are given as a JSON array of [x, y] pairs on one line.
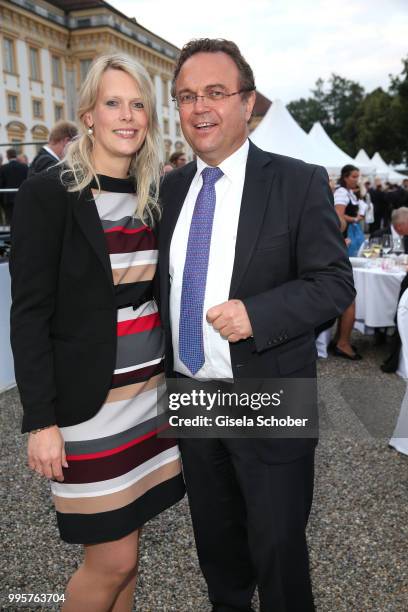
[[377, 295], [7, 378]]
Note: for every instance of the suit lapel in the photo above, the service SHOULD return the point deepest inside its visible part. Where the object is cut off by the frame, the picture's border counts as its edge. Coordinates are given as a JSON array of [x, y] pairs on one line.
[[87, 216], [255, 195]]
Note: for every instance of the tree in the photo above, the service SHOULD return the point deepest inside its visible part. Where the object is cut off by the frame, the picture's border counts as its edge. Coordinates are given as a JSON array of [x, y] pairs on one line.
[[377, 121], [306, 112], [372, 125], [399, 113]]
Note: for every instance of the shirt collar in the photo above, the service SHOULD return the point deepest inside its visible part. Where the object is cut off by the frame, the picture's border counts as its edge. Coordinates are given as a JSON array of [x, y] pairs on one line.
[[51, 152], [233, 166], [394, 232]]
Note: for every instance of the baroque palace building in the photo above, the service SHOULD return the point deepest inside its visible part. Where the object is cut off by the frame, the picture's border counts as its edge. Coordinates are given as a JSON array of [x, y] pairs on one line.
[[46, 50]]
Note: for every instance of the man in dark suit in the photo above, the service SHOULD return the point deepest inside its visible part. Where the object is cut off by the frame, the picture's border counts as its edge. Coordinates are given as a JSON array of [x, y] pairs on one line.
[[11, 177], [50, 154], [251, 262], [398, 227]]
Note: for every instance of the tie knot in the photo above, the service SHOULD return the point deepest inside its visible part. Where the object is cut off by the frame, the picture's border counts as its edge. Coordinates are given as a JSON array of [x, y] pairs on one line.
[[211, 175]]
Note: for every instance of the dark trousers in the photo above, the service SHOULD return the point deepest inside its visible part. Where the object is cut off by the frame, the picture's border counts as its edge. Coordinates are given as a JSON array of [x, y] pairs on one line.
[[249, 520]]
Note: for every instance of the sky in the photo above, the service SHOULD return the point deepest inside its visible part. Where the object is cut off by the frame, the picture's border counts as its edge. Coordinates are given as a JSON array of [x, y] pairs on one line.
[[290, 43]]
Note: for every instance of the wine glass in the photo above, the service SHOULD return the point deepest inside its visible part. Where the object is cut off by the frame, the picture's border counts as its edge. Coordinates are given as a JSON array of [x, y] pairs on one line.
[[366, 250], [375, 244], [386, 243], [397, 246]]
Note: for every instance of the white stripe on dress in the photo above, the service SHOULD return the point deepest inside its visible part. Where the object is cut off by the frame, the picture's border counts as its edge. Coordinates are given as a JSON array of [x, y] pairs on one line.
[[115, 206], [116, 417], [138, 258], [139, 366], [104, 487], [128, 314]]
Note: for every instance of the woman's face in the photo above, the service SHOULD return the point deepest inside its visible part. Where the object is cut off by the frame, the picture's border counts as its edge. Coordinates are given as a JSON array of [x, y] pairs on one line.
[[119, 119], [352, 179]]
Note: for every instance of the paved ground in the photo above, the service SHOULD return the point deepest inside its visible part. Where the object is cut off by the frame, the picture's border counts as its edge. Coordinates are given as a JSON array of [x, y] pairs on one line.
[[358, 531]]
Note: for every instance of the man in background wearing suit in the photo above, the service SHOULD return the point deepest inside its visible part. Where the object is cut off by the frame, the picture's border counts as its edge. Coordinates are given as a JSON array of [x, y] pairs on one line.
[[50, 154], [12, 175], [251, 261], [398, 227]]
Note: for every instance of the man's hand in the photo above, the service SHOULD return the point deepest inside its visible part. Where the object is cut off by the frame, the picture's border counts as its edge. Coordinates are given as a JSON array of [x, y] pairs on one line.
[[231, 320]]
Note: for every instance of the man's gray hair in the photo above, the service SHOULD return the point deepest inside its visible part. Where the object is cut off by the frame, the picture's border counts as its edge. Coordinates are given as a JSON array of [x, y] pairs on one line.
[[399, 215]]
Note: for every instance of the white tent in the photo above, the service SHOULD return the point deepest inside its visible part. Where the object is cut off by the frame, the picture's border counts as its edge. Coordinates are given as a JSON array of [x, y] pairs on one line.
[[279, 133], [333, 158], [362, 160], [383, 170]]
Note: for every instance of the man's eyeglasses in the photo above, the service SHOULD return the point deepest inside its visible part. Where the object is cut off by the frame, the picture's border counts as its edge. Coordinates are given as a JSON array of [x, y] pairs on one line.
[[212, 97]]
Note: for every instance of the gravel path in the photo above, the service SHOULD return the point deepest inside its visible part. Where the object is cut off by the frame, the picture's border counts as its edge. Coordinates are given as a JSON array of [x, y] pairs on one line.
[[358, 531]]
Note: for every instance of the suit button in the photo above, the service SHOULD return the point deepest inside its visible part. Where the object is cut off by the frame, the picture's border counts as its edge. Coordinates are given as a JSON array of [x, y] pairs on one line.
[[269, 342]]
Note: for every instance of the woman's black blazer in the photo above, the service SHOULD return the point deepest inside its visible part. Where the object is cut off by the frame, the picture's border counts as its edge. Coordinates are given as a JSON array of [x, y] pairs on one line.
[[63, 315]]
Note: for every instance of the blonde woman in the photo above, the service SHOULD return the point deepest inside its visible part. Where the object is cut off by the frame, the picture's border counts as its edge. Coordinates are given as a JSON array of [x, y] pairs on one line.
[[87, 337]]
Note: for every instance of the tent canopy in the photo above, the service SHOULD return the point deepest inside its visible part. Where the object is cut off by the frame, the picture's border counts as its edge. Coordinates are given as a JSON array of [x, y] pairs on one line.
[[384, 171], [279, 133], [362, 160], [334, 158]]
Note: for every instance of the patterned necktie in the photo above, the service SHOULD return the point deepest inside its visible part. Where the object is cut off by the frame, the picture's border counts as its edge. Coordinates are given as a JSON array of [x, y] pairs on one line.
[[191, 342]]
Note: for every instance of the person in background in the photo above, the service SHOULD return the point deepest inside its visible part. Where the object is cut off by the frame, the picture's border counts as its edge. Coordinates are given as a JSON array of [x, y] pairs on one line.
[[178, 159], [50, 154], [167, 168], [405, 184], [398, 227], [23, 158], [381, 217], [12, 175], [347, 206], [86, 334], [1, 159]]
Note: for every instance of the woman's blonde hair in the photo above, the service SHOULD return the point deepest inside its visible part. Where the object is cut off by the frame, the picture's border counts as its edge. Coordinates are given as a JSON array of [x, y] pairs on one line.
[[79, 169]]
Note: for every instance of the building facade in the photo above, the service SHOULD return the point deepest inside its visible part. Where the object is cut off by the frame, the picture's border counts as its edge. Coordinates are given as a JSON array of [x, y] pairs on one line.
[[46, 50]]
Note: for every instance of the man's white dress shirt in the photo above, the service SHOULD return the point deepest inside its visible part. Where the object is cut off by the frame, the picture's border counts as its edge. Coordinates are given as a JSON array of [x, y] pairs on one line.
[[228, 191], [51, 152]]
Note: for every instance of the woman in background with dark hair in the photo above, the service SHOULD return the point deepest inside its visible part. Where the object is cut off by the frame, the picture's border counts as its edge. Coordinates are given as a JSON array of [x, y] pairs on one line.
[[347, 208]]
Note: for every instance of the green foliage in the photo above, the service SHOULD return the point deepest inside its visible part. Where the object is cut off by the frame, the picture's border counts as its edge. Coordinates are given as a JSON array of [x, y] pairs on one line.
[[377, 121]]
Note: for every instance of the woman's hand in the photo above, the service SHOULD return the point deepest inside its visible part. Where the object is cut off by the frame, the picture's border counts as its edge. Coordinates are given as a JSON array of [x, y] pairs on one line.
[[46, 453]]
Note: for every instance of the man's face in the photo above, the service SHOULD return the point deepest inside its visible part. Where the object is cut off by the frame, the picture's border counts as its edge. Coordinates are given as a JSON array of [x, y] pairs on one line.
[[181, 161], [214, 129], [401, 228]]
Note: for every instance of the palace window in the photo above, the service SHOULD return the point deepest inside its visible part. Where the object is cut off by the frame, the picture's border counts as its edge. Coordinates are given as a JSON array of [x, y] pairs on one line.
[[84, 65], [9, 55], [56, 65], [12, 103], [58, 112], [37, 109], [165, 90], [35, 73]]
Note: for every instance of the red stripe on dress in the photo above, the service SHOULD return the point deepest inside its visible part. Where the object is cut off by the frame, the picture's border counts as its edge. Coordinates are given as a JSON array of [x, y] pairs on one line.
[[116, 465], [141, 324], [124, 230], [118, 449], [134, 376], [120, 242]]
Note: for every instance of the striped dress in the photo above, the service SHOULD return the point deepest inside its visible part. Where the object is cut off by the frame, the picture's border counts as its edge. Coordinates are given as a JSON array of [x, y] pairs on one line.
[[120, 472]]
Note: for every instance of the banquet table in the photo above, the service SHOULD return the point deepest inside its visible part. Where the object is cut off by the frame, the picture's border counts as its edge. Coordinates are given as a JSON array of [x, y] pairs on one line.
[[377, 294], [7, 378]]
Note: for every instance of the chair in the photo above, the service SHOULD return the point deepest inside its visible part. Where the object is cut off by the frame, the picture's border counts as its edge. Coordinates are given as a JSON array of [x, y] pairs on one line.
[[399, 440]]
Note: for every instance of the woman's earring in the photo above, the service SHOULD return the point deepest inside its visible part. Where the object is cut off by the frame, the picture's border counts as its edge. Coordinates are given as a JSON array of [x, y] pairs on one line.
[[90, 131]]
